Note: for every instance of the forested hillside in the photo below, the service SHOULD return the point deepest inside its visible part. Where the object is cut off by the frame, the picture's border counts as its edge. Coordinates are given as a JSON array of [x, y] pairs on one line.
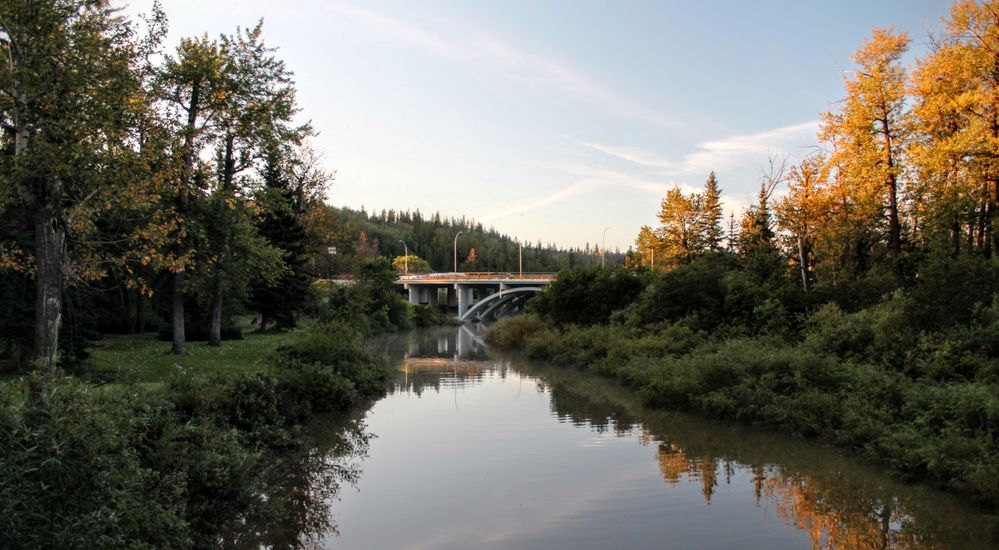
[[358, 235]]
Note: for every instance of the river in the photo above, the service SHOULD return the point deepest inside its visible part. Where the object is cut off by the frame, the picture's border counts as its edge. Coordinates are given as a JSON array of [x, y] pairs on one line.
[[475, 450]]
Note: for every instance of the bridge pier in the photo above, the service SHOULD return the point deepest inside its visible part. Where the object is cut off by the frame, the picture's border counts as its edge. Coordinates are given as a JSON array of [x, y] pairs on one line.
[[464, 298]]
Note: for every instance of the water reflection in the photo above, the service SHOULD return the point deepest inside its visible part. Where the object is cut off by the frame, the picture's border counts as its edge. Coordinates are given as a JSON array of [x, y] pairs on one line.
[[451, 357], [538, 456], [838, 502], [294, 508]]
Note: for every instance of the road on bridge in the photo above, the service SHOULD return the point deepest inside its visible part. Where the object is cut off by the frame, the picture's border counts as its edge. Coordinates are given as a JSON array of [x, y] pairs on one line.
[[477, 295]]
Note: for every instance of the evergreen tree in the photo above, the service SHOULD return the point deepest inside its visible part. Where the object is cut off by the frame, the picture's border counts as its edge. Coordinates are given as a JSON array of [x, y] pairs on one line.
[[281, 300], [710, 218], [757, 248]]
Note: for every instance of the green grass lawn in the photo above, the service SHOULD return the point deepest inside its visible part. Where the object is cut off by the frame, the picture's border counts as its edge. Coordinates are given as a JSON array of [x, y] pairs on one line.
[[144, 359]]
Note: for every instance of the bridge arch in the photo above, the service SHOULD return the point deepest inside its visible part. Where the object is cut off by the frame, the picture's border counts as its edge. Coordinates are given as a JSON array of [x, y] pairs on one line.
[[496, 301]]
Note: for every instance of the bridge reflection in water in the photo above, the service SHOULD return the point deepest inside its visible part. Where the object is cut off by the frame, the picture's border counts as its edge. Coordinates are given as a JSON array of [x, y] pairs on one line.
[[450, 356], [475, 296]]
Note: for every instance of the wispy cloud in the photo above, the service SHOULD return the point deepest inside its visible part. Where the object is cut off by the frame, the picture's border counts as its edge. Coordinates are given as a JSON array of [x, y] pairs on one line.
[[478, 46], [533, 203], [737, 150], [654, 173], [632, 154], [401, 30], [730, 152]]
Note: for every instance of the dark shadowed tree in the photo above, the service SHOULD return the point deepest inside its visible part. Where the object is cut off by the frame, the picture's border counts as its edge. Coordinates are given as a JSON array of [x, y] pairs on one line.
[[68, 94]]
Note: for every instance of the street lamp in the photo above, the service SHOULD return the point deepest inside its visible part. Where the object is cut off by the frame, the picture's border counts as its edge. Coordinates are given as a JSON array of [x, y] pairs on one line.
[[521, 260], [405, 259], [603, 245], [456, 251]]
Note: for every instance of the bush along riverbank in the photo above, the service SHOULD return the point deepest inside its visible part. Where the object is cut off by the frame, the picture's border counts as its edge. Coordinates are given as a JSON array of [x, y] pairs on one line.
[[171, 465], [910, 381]]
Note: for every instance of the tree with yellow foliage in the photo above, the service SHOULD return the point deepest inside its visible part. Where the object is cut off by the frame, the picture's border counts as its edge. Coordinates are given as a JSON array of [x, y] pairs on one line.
[[868, 136], [678, 214], [648, 245], [956, 89], [801, 210]]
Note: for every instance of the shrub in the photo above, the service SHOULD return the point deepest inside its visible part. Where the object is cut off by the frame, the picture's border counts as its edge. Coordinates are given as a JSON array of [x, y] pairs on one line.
[[339, 347], [512, 332], [70, 476], [587, 296]]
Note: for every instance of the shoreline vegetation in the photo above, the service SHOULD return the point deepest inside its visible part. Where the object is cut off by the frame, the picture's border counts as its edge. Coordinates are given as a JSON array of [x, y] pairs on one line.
[[137, 448], [910, 382], [176, 459], [857, 300]]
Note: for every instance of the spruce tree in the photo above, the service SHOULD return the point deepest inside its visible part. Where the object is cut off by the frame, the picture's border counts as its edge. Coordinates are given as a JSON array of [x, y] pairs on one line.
[[710, 220], [283, 299]]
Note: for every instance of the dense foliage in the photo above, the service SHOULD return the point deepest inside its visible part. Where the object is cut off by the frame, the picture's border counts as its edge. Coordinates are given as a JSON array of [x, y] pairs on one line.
[[860, 307], [182, 466], [910, 380], [143, 188]]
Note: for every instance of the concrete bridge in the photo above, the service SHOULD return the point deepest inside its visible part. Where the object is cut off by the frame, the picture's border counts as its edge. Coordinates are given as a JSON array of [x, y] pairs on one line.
[[475, 296]]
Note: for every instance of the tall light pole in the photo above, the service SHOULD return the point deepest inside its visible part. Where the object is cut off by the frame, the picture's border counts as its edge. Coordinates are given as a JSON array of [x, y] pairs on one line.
[[405, 259], [521, 260], [603, 246], [456, 251]]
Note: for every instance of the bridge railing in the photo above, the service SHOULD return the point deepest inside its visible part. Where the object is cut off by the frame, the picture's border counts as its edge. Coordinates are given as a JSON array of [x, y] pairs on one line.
[[478, 276]]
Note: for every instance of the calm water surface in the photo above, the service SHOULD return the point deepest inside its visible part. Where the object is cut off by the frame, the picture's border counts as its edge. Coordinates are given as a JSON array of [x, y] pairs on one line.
[[471, 450]]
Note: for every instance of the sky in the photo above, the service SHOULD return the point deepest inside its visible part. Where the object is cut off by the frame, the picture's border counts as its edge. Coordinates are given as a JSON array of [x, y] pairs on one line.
[[554, 120]]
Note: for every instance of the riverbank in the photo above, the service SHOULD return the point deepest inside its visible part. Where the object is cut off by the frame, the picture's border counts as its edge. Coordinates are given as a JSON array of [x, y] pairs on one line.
[[519, 454], [169, 453], [940, 432]]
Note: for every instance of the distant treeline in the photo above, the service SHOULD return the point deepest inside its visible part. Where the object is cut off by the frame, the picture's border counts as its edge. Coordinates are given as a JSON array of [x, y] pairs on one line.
[[358, 235]]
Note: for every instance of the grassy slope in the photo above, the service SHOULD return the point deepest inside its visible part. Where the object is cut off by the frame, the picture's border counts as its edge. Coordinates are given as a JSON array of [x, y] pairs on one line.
[[144, 359]]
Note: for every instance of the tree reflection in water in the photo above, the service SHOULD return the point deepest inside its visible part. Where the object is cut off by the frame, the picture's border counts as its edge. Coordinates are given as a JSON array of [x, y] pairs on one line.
[[832, 520], [837, 501], [294, 508]]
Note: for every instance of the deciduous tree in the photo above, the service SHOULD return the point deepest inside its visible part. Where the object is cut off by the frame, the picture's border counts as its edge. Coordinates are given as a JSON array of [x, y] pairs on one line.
[[68, 96]]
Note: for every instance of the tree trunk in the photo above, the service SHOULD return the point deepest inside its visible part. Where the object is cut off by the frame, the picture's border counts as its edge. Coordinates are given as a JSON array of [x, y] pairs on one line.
[[187, 174], [803, 262], [982, 213], [215, 331], [894, 226], [955, 236], [229, 162], [179, 346], [263, 322], [50, 259], [990, 199], [140, 312]]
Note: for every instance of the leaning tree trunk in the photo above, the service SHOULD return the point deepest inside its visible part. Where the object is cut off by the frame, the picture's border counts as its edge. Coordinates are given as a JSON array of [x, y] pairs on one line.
[[215, 331], [803, 262], [50, 260]]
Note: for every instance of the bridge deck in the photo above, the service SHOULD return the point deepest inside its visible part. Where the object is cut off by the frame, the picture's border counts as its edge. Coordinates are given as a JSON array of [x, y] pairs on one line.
[[475, 277]]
